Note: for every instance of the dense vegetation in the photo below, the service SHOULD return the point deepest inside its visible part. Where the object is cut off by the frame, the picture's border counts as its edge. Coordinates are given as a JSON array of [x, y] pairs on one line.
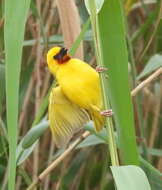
[[124, 36]]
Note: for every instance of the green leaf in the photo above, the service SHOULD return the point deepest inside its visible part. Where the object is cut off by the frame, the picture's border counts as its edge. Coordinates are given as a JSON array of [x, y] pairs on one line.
[[154, 63], [29, 141], [155, 152], [91, 141], [58, 39], [21, 154], [130, 177], [145, 164], [102, 134], [15, 17], [34, 134], [155, 183], [99, 4], [115, 58]]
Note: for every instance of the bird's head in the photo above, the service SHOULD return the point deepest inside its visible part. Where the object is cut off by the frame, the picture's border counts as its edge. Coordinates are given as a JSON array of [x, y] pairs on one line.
[[57, 56]]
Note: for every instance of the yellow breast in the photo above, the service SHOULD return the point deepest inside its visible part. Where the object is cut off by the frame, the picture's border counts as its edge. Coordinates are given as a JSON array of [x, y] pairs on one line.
[[80, 83]]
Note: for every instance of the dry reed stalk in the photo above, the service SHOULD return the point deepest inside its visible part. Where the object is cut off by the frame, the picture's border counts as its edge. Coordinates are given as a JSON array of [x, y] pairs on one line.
[[46, 8], [50, 18], [147, 105], [47, 180], [45, 85], [47, 31], [29, 91], [38, 85], [18, 182], [150, 96], [45, 142], [26, 102], [31, 26], [154, 129], [159, 163], [70, 24]]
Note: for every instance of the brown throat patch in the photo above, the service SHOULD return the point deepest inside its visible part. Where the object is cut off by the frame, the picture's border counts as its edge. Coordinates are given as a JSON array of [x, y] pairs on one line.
[[64, 59]]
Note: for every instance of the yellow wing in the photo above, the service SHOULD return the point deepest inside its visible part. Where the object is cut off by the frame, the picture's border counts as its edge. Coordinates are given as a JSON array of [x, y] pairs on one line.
[[65, 117]]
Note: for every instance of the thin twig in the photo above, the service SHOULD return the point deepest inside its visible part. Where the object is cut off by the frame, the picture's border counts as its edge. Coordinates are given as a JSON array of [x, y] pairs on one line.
[[58, 160], [147, 81]]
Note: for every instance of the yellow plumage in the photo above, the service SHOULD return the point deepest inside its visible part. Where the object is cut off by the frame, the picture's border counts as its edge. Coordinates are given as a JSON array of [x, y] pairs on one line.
[[76, 100], [65, 117]]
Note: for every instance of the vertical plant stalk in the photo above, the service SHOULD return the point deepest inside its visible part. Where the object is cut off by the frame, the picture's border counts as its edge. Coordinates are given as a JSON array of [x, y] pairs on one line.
[[47, 181], [70, 24], [109, 124], [38, 84], [26, 103], [156, 120]]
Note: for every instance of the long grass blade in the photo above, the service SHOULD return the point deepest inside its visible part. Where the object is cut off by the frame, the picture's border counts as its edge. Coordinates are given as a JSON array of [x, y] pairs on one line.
[[15, 16], [130, 177], [109, 124], [112, 37]]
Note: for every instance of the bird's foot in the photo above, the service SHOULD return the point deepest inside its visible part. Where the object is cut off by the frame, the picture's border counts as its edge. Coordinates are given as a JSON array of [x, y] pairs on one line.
[[100, 69], [107, 113]]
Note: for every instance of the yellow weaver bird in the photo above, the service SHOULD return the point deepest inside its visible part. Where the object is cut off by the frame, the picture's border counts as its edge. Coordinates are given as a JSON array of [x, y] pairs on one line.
[[77, 98]]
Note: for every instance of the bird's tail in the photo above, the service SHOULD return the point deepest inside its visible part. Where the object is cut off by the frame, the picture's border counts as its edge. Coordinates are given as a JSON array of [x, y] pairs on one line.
[[97, 118]]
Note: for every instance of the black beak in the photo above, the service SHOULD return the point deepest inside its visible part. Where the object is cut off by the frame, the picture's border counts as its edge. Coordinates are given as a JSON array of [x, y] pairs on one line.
[[63, 51], [61, 54]]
